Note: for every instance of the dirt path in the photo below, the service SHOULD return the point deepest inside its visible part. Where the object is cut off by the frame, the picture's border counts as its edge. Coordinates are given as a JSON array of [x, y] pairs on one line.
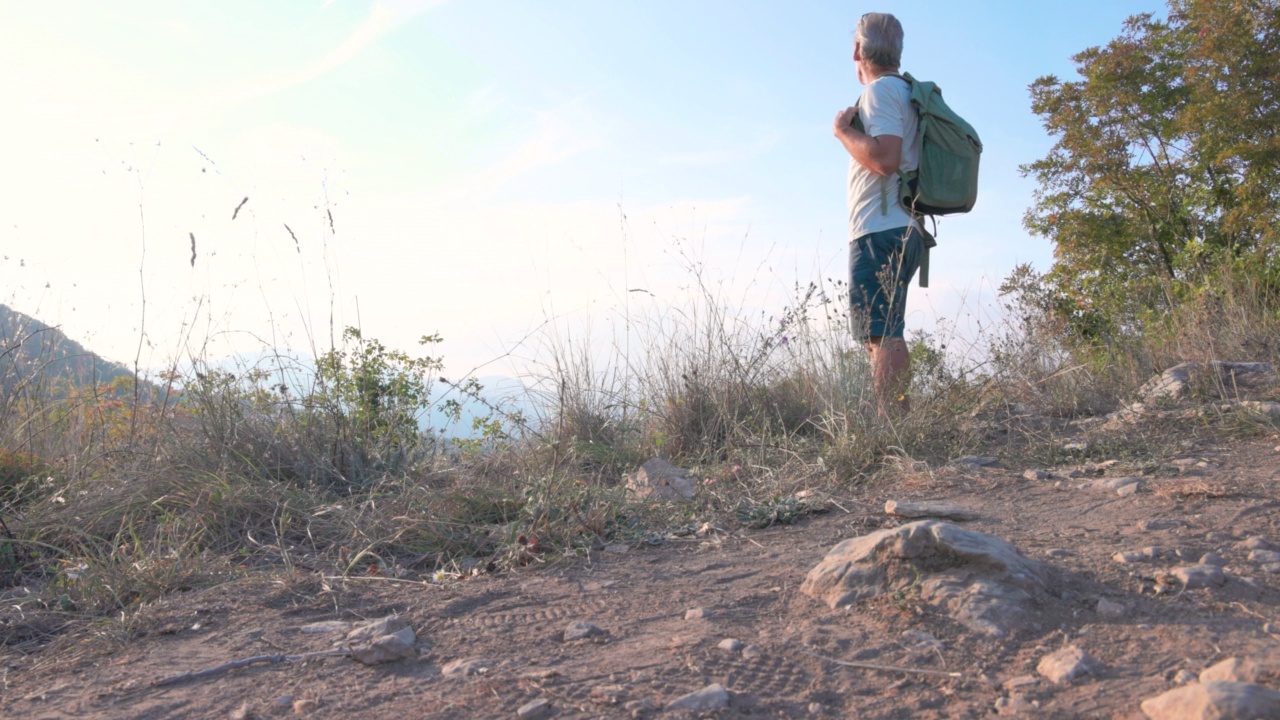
[[747, 582]]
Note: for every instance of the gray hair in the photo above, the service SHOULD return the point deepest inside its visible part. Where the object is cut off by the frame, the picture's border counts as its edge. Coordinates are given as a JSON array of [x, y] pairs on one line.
[[880, 37]]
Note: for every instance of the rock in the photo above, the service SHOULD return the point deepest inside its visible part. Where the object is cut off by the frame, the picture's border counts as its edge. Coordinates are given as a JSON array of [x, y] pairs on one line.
[[1066, 665], [1212, 559], [1021, 682], [697, 614], [1271, 628], [534, 709], [1073, 473], [981, 581], [816, 708], [1110, 610], [608, 694], [244, 712], [327, 627], [752, 650], [977, 460], [1036, 475], [637, 708], [1218, 538], [730, 644], [464, 668], [1058, 553], [382, 641], [1152, 552], [1127, 490], [1184, 676], [579, 630], [658, 479], [1264, 557], [304, 707], [1199, 576], [711, 697], [929, 509], [1219, 700], [284, 701], [1232, 670], [1268, 408], [1258, 543]]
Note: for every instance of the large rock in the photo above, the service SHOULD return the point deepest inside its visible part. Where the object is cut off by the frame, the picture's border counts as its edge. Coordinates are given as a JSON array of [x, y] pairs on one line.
[[658, 479], [1218, 700], [382, 641], [982, 581]]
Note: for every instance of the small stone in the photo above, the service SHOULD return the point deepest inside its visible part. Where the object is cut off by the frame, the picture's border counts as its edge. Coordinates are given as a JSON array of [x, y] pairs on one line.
[[1058, 553], [1218, 538], [1110, 610], [1184, 676], [1036, 475], [580, 629], [1129, 557], [1073, 474], [1217, 699], [534, 709], [1232, 670], [284, 701], [243, 713], [1271, 628], [977, 460], [1127, 490], [304, 707], [1116, 483], [637, 708], [464, 668], [1065, 665], [1264, 557], [1152, 552], [711, 697], [752, 650], [730, 644], [1212, 559], [929, 510], [697, 614], [1200, 576], [816, 708]]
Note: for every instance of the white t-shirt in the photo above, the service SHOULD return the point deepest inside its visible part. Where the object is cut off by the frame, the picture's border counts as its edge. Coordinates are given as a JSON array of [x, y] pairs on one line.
[[885, 109]]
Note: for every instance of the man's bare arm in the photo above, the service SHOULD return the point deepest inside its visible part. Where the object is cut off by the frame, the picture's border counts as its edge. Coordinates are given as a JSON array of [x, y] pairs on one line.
[[881, 155]]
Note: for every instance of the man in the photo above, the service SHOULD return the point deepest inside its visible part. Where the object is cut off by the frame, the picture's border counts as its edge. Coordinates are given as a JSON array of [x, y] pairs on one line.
[[885, 242]]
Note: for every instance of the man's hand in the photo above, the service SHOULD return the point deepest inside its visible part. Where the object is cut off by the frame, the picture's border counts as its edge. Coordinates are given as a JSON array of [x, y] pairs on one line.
[[844, 120]]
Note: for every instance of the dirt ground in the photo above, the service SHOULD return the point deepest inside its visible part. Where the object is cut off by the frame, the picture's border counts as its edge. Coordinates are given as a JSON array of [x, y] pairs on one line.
[[748, 582]]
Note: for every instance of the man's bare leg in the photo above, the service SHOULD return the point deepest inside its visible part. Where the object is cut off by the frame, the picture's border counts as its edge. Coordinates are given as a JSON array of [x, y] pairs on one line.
[[891, 374]]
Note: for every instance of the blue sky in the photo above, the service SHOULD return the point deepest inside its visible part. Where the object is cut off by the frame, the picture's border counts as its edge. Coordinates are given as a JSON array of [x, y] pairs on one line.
[[478, 158]]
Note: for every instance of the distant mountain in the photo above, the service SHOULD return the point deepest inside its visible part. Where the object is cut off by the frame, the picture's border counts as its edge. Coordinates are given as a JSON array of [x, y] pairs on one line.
[[33, 351]]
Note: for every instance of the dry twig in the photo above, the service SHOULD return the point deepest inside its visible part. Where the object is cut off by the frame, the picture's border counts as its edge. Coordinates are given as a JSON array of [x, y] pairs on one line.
[[201, 674]]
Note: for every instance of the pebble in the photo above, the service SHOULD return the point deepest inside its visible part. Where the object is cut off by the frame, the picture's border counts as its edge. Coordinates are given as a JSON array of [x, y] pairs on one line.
[[304, 707], [730, 644], [1127, 490], [284, 701], [1058, 553], [1111, 610], [697, 614], [978, 460], [711, 697], [1212, 559], [1022, 681], [816, 708], [752, 650], [1184, 676], [1065, 665], [1271, 628], [1015, 705], [1218, 538], [580, 629], [1036, 475], [1073, 474], [534, 709]]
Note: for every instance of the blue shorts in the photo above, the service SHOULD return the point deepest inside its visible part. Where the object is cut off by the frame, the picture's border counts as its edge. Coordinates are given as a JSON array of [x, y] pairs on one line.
[[881, 265]]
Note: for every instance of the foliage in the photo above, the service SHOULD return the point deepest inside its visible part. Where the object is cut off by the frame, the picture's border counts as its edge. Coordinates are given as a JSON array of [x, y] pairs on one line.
[[1166, 166]]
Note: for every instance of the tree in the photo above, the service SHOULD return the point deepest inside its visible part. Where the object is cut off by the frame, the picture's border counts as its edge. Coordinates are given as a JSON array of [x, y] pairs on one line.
[[1166, 163]]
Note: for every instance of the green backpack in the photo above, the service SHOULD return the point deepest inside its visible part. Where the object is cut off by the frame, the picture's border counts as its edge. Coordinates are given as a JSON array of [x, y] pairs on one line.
[[946, 181]]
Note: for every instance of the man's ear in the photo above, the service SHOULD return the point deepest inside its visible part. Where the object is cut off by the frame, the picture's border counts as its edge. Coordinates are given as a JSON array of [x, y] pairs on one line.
[[857, 53]]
